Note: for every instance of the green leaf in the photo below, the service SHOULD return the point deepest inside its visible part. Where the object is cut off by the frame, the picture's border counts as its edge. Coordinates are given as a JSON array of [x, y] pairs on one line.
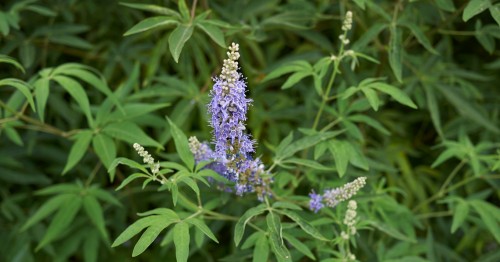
[[239, 229], [178, 39], [340, 154], [181, 241], [104, 195], [446, 5], [465, 108], [153, 8], [184, 11], [395, 93], [495, 12], [105, 149], [308, 228], [432, 104], [78, 93], [475, 7], [181, 145], [460, 213], [95, 214], [150, 24], [41, 96], [130, 132], [305, 142], [490, 216], [307, 163], [203, 227], [295, 66], [275, 238], [124, 161], [369, 121], [372, 97], [22, 86], [422, 39], [295, 78], [301, 247], [213, 32], [131, 178], [137, 227], [46, 209], [4, 26], [62, 220], [166, 212], [59, 189], [261, 251], [78, 149], [149, 236], [9, 60], [395, 52], [287, 205]]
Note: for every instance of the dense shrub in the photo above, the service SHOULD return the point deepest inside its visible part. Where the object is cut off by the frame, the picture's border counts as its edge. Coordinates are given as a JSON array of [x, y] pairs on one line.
[[335, 131]]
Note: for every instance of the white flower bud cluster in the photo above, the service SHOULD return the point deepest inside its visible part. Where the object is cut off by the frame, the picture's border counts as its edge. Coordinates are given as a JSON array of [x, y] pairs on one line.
[[194, 145], [336, 195], [229, 73], [347, 22], [344, 39], [350, 220], [147, 158], [346, 26]]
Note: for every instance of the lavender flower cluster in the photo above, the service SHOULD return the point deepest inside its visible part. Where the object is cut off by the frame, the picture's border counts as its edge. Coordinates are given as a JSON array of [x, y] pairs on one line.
[[232, 157], [332, 197]]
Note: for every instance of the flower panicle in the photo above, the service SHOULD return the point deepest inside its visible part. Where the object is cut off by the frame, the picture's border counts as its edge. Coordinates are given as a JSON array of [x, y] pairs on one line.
[[232, 155], [147, 158], [332, 197]]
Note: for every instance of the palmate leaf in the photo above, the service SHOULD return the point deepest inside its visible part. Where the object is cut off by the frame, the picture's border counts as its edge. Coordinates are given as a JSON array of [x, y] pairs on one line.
[[62, 220], [46, 209], [153, 224]]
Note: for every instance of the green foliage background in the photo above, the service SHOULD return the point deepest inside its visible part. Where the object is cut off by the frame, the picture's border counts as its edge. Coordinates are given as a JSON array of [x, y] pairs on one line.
[[416, 110]]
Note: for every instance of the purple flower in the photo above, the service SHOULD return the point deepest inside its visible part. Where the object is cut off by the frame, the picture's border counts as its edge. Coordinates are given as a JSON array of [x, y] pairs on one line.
[[315, 203], [228, 108], [232, 157]]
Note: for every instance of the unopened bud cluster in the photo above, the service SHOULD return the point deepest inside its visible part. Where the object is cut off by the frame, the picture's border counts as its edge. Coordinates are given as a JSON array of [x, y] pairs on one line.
[[350, 217], [346, 26], [332, 197], [147, 158]]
